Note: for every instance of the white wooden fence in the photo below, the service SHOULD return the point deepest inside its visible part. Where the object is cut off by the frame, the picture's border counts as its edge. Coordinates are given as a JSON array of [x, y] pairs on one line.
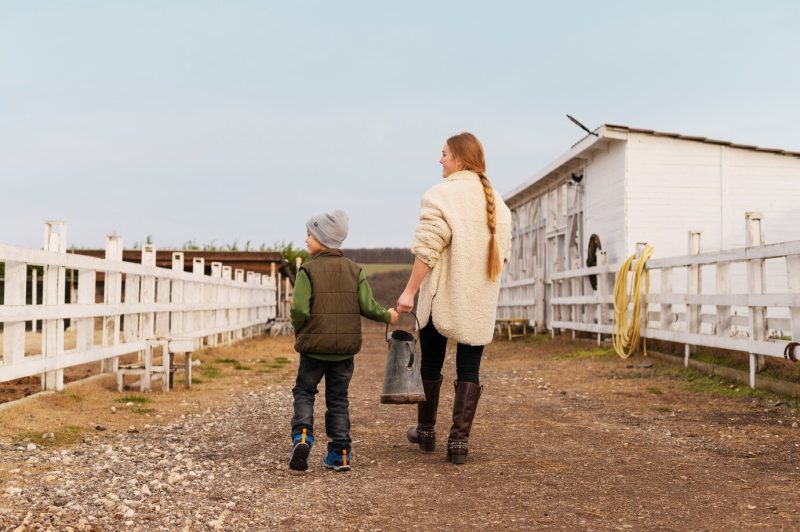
[[178, 310], [737, 311]]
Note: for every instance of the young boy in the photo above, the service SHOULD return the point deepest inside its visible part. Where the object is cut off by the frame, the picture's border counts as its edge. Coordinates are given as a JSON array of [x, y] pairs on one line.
[[331, 294]]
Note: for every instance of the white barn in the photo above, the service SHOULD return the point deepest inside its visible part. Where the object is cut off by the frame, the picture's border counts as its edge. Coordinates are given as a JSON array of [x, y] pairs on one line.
[[629, 185]]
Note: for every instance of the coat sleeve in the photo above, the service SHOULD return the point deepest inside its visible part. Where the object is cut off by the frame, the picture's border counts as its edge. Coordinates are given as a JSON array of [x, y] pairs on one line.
[[300, 309], [433, 233]]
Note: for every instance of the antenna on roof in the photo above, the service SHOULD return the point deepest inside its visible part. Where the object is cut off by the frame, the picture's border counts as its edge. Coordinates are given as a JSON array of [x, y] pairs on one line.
[[586, 129]]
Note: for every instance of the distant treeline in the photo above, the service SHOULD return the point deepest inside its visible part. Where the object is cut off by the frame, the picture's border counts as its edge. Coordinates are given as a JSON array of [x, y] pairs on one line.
[[380, 255]]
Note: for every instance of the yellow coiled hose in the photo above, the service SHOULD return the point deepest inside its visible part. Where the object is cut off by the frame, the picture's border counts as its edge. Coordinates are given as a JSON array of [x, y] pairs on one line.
[[626, 335]]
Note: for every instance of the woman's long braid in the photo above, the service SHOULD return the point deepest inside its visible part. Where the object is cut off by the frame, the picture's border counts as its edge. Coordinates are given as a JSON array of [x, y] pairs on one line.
[[494, 252]]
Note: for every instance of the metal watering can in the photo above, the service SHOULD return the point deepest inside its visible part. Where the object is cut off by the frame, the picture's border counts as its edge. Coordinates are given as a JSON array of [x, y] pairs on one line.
[[402, 381]]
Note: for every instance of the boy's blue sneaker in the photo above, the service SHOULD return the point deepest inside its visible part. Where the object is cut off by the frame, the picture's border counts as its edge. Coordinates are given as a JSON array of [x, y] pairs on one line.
[[338, 460], [301, 447]]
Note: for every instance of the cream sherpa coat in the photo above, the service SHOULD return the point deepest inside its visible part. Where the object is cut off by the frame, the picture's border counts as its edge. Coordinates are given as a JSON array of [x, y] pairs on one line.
[[453, 239]]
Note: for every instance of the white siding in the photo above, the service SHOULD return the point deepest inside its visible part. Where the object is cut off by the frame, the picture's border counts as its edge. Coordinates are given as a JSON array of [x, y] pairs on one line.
[[604, 206], [673, 187], [762, 182]]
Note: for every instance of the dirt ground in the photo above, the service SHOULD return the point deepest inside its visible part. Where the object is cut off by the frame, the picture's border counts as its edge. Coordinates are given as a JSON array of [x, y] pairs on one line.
[[567, 436]]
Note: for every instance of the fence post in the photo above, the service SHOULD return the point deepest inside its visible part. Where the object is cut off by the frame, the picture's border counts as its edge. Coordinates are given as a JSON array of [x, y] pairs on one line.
[[53, 293], [131, 323], [197, 288], [227, 293], [112, 295], [163, 296], [756, 284], [793, 283], [602, 293], [643, 304], [215, 296], [693, 287], [176, 297], [723, 287], [87, 280], [238, 276], [572, 290], [34, 295], [148, 292], [665, 315]]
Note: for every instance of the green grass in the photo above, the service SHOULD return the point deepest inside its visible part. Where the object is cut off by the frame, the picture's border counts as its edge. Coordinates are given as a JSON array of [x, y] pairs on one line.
[[68, 435], [720, 360], [276, 363], [584, 354], [136, 399], [369, 269], [73, 396], [655, 391], [210, 372], [713, 384], [233, 363], [136, 409], [791, 375]]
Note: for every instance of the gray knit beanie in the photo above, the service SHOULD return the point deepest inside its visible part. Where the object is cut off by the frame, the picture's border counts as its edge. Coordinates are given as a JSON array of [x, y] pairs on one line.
[[329, 228]]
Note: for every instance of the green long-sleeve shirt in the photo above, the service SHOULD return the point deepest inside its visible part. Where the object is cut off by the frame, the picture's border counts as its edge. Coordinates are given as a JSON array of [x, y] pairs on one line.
[[301, 307]]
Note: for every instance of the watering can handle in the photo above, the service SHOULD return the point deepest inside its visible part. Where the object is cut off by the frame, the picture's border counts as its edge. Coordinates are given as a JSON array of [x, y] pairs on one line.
[[415, 339]]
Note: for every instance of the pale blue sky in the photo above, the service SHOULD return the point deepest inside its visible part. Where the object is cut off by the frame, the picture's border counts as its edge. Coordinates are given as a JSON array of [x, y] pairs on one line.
[[218, 121]]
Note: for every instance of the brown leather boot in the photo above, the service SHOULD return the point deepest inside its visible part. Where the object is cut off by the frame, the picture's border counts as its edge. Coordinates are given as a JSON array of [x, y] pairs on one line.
[[464, 406], [424, 433]]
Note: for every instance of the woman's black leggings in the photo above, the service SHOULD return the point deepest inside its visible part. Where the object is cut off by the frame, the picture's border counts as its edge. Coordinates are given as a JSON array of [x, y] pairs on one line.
[[433, 345]]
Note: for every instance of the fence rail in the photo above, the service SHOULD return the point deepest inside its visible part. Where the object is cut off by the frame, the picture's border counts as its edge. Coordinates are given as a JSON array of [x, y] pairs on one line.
[[138, 305]]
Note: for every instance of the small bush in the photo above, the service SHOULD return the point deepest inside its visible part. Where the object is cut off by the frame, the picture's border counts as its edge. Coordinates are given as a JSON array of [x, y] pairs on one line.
[[210, 372], [137, 399], [68, 435]]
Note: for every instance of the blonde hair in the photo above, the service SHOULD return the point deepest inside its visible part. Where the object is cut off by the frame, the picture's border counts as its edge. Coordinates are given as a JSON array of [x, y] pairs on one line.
[[467, 149]]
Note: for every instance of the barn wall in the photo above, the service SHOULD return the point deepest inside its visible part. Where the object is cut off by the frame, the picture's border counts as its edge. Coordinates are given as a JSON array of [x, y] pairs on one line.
[[604, 208], [673, 186], [763, 182]]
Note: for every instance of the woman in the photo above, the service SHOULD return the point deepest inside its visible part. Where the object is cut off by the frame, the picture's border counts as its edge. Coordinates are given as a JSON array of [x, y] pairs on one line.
[[460, 245]]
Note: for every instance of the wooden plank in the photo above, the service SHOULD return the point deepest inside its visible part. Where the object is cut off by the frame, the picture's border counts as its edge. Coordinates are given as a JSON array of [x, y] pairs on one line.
[[78, 310], [14, 294], [131, 321], [34, 295], [693, 282], [604, 292], [756, 284], [41, 364], [793, 282], [176, 296], [199, 271], [112, 295], [53, 293], [83, 262], [723, 287], [148, 319], [86, 296]]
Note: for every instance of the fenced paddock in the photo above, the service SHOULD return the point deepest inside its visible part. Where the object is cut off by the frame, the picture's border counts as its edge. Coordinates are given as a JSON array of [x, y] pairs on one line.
[[716, 299], [138, 309]]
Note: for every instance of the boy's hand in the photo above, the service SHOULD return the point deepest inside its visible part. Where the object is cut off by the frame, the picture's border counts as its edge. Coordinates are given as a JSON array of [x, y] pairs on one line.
[[395, 316]]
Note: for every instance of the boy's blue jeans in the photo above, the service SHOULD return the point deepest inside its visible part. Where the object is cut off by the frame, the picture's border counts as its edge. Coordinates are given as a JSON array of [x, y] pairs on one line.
[[337, 415]]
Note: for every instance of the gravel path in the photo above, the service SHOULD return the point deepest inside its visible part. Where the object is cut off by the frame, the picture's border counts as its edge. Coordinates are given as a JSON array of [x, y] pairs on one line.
[[558, 443]]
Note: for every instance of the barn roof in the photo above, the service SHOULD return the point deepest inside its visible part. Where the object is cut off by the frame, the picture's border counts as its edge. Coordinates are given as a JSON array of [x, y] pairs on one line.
[[584, 149]]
